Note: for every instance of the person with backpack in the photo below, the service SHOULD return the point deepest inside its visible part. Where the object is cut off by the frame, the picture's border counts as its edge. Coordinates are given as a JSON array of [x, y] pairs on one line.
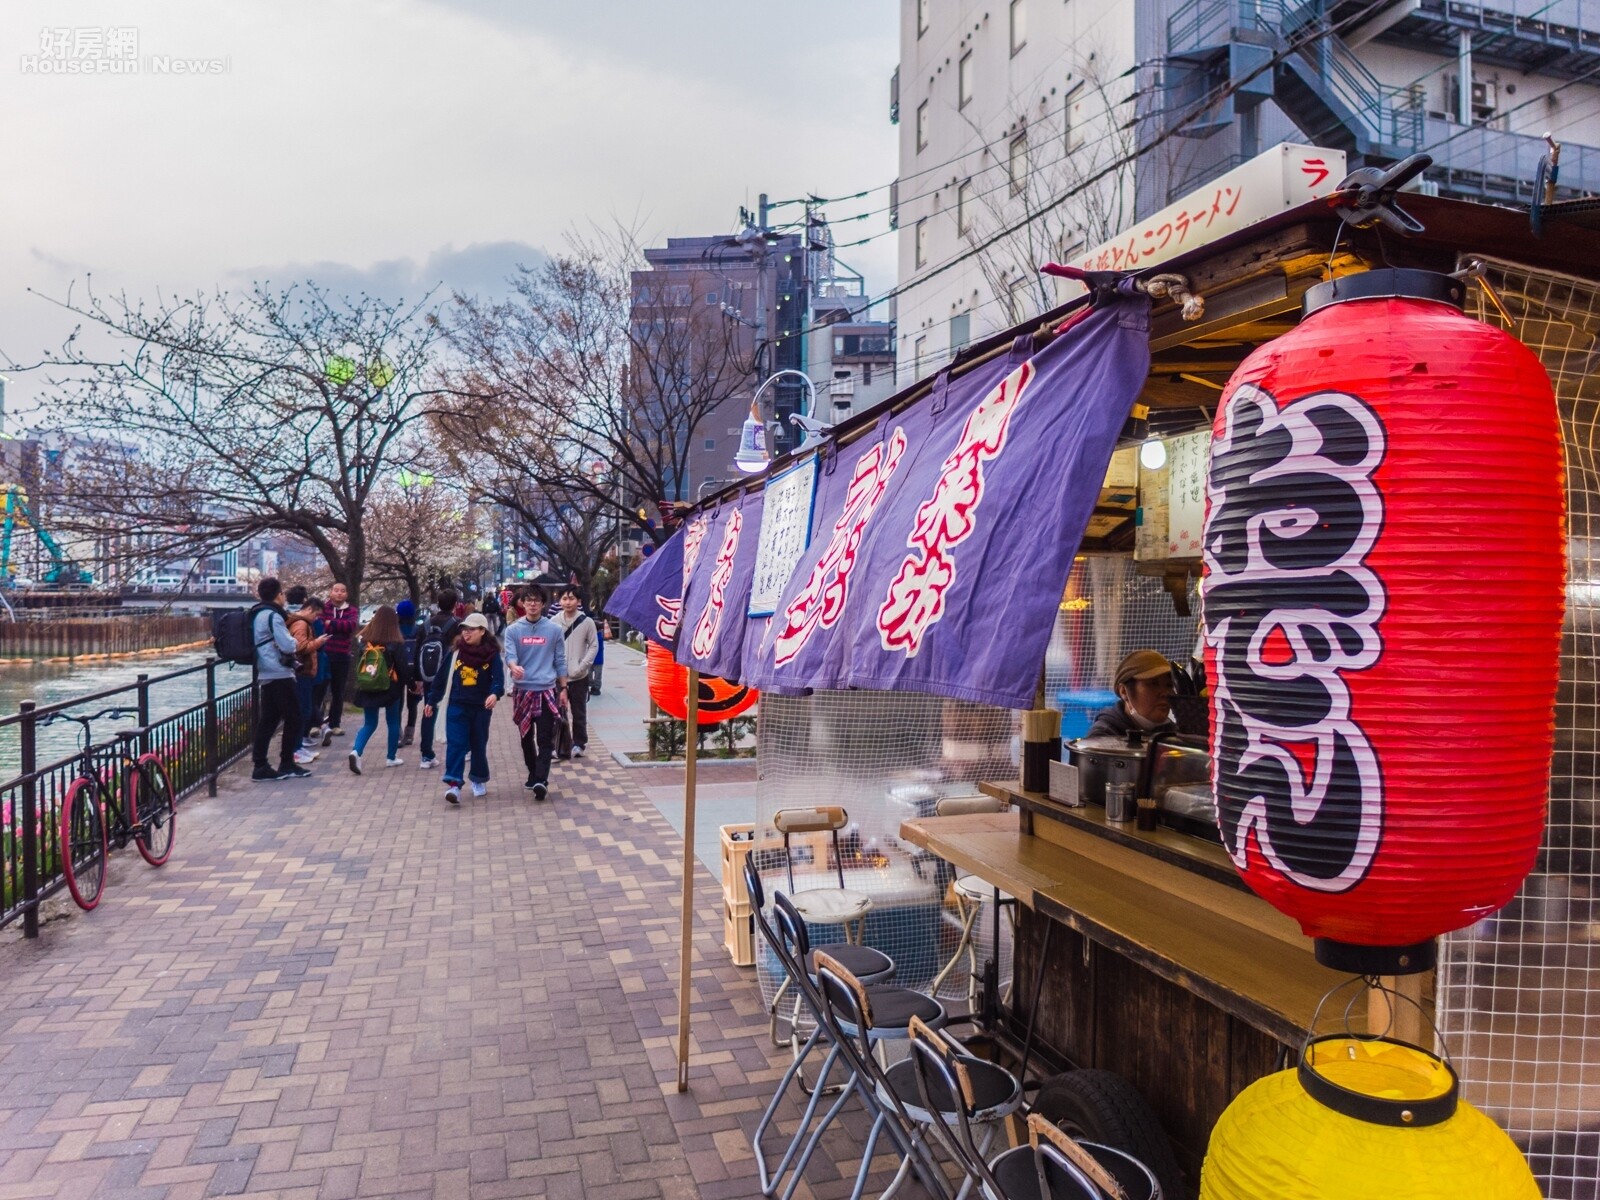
[[382, 677], [307, 649], [277, 703], [578, 632], [537, 659], [406, 614], [493, 611], [435, 638], [340, 619], [467, 689]]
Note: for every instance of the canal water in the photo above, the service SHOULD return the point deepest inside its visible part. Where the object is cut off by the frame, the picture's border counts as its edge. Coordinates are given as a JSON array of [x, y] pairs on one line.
[[52, 683]]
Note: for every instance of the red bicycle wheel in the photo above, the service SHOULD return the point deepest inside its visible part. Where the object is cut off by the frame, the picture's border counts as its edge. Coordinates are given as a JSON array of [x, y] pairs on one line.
[[83, 843], [152, 810]]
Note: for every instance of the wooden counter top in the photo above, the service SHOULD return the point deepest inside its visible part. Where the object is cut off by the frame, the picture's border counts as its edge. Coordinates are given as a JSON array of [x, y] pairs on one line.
[[1228, 947]]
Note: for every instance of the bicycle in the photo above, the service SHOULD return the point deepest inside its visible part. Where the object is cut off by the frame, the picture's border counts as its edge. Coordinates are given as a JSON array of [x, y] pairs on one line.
[[150, 817]]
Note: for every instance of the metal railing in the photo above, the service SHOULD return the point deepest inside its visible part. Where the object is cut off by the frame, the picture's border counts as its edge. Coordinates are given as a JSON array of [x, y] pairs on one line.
[[1385, 113], [194, 744]]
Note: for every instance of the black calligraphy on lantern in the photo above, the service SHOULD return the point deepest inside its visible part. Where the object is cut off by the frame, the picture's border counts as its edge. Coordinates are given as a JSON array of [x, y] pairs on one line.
[[1291, 614]]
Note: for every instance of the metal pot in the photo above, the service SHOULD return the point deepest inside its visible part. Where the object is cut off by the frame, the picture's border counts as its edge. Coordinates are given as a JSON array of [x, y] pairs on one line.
[[1105, 760]]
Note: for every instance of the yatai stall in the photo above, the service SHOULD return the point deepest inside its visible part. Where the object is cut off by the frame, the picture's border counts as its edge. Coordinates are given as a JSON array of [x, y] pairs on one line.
[[1364, 782]]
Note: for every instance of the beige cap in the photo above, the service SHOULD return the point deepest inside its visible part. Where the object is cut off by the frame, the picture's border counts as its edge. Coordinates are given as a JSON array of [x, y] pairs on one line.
[[1141, 664], [475, 621]]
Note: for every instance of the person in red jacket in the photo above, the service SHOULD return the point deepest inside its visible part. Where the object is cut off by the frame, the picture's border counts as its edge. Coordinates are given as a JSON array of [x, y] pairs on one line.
[[339, 619]]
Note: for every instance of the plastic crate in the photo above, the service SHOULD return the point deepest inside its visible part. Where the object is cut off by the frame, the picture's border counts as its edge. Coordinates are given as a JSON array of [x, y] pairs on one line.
[[739, 933], [737, 842]]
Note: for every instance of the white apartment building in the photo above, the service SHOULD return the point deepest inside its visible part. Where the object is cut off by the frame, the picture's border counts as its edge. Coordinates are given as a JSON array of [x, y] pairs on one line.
[[1037, 129]]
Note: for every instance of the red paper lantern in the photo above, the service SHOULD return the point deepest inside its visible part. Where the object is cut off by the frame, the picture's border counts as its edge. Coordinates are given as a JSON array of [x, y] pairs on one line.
[[1385, 564], [669, 688]]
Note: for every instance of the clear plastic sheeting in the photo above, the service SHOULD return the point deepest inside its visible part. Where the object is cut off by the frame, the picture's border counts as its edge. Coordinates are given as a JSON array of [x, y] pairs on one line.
[[884, 757], [1108, 610], [1518, 994]]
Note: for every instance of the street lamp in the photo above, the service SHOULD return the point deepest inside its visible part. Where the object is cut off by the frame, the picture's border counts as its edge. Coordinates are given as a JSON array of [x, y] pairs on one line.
[[752, 455]]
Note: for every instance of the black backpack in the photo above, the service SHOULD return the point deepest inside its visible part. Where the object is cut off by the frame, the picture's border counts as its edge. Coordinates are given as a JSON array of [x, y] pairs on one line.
[[433, 648], [233, 634]]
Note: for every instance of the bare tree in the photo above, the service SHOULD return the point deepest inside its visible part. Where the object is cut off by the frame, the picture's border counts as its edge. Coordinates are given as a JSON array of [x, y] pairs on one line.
[[581, 394], [207, 421]]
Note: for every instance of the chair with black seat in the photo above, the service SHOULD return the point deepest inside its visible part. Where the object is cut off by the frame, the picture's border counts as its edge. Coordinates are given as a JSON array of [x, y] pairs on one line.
[[799, 978], [894, 1006], [1052, 1166], [849, 1008]]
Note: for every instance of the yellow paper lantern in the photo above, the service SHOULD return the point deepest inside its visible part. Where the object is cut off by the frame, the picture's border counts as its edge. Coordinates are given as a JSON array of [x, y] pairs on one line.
[[1412, 1140]]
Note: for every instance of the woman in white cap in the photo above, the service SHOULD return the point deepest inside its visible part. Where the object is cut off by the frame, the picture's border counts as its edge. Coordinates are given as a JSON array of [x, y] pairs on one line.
[[1143, 683], [467, 690]]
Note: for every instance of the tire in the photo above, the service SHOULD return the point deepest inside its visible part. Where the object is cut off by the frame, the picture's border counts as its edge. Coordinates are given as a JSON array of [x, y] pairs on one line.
[[152, 810], [83, 843], [1102, 1106]]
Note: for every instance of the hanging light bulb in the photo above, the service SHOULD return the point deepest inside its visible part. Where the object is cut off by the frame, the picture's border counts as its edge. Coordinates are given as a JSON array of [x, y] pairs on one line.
[[1153, 454], [751, 456]]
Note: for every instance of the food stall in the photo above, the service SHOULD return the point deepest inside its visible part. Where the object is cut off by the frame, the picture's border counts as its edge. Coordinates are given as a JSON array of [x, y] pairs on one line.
[[1142, 953]]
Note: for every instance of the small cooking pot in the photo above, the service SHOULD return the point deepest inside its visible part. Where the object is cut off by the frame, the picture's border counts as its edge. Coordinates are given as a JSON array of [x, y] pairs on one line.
[[1119, 760], [1103, 760]]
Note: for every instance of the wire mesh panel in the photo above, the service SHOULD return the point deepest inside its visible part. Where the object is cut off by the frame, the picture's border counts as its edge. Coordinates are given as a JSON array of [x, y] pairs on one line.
[[884, 757], [1108, 610], [1519, 993], [889, 756]]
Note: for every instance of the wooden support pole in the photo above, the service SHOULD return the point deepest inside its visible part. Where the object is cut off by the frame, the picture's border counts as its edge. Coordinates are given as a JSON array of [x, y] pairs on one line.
[[686, 929]]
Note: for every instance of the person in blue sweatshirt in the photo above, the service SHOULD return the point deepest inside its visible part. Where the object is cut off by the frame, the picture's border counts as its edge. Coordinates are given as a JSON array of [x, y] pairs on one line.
[[474, 679], [536, 658]]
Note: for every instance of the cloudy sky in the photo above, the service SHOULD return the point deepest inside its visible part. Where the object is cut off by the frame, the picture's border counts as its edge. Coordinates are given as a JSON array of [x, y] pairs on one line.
[[398, 144]]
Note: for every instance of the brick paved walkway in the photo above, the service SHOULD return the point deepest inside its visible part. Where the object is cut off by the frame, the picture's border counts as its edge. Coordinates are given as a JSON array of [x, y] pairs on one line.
[[345, 988]]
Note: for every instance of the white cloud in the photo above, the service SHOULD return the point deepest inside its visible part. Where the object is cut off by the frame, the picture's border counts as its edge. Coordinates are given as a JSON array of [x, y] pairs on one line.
[[364, 140]]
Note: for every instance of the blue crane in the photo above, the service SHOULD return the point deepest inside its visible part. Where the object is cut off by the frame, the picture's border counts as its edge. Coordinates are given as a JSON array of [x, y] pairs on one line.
[[63, 572]]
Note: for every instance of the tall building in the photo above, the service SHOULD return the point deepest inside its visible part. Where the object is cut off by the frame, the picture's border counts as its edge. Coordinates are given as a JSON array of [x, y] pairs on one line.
[[762, 301], [1038, 129]]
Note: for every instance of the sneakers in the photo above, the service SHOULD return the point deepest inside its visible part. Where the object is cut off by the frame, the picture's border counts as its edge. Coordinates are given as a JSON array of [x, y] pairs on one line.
[[336, 732], [528, 785], [479, 789], [452, 794], [396, 761], [428, 763], [355, 763], [327, 736], [305, 757], [577, 751], [540, 791], [295, 772], [264, 775]]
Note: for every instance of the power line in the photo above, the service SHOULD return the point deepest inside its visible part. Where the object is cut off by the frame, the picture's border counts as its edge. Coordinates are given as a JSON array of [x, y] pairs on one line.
[[1216, 96]]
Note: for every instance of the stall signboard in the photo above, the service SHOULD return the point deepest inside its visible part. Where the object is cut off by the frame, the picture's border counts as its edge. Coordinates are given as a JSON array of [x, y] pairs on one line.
[[1186, 493], [789, 497], [1282, 178]]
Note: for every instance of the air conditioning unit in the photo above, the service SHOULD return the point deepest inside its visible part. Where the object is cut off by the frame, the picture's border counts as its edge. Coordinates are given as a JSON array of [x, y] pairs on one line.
[[1483, 96]]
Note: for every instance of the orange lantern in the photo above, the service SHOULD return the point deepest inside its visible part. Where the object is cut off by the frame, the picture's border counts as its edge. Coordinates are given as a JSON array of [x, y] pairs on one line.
[[720, 700]]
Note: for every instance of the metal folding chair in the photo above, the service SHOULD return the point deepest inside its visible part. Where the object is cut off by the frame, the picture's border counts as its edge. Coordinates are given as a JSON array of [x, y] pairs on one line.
[[823, 906], [1052, 1166], [849, 1008]]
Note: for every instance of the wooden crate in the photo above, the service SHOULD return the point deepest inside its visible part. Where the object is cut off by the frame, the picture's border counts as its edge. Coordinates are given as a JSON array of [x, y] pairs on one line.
[[738, 932]]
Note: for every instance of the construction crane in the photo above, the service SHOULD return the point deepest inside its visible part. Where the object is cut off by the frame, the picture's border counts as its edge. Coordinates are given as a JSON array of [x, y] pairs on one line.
[[63, 572]]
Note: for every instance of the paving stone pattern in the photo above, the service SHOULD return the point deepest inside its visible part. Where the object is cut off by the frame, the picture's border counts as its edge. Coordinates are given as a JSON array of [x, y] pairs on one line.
[[343, 988]]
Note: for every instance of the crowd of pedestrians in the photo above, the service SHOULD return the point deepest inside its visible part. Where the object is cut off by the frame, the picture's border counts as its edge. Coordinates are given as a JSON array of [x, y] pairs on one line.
[[452, 665]]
